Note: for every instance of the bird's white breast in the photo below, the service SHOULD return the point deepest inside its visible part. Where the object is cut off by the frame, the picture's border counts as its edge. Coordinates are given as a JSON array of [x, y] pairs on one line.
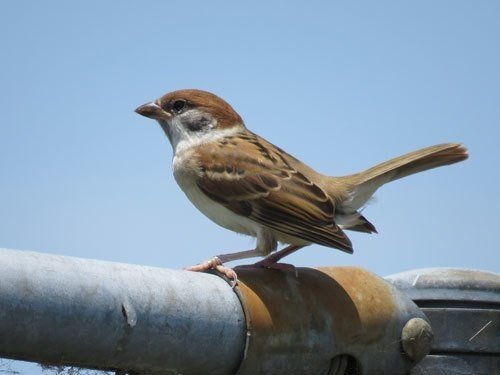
[[186, 178]]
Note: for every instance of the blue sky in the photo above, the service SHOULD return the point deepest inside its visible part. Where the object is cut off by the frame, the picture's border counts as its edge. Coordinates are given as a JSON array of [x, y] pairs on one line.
[[341, 86]]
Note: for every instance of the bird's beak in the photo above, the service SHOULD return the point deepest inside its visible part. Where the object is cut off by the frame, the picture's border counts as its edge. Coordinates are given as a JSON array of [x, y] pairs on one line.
[[154, 111]]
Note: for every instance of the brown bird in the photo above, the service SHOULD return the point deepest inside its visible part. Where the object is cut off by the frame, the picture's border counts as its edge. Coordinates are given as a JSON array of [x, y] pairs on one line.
[[248, 185]]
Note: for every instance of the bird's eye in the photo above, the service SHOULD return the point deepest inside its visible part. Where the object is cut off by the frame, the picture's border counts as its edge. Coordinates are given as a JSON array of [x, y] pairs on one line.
[[178, 105]]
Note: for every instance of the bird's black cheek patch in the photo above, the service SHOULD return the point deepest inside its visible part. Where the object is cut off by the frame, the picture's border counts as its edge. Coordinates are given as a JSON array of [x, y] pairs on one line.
[[197, 123]]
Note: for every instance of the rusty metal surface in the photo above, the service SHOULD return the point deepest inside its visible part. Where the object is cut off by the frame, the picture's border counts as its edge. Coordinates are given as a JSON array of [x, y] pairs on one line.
[[463, 307], [303, 322], [335, 321]]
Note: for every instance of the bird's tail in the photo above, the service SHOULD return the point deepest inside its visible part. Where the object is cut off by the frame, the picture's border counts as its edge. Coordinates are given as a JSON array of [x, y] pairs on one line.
[[364, 184]]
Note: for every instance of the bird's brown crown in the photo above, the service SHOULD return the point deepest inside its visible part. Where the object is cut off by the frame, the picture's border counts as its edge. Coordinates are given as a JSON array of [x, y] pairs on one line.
[[225, 115]]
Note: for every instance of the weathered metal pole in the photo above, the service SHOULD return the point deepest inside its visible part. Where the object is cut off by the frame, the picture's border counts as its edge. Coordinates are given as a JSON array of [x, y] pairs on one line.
[[332, 320], [88, 313]]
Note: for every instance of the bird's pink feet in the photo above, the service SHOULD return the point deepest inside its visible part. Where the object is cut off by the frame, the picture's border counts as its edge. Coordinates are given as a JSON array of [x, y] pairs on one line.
[[216, 264]]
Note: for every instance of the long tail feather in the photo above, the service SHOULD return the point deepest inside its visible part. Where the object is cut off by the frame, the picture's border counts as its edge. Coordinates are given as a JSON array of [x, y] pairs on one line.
[[367, 182]]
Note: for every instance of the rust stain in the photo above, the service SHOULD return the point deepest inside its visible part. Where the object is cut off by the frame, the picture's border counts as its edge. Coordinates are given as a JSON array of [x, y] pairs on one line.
[[371, 295], [310, 311]]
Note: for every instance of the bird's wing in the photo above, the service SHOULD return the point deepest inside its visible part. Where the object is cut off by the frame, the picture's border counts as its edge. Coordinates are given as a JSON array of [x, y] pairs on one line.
[[253, 179]]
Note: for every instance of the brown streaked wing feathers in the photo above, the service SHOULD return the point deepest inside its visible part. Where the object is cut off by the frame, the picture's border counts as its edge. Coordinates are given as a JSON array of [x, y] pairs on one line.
[[268, 190]]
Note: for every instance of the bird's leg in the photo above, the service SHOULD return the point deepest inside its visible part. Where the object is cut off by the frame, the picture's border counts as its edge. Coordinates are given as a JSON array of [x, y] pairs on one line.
[[271, 261], [239, 255], [218, 261]]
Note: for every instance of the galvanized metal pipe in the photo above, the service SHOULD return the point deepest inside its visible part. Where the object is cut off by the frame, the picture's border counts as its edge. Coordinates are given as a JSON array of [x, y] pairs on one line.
[[89, 313]]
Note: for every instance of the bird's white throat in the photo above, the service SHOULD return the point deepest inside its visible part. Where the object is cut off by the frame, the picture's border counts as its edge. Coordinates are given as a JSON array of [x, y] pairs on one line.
[[182, 139]]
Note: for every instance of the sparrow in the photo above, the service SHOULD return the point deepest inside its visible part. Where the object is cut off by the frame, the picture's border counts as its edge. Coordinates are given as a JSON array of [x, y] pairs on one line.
[[248, 185]]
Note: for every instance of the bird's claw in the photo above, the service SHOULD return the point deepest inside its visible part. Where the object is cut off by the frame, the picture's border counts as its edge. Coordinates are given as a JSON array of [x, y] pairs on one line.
[[216, 264], [229, 273], [205, 266]]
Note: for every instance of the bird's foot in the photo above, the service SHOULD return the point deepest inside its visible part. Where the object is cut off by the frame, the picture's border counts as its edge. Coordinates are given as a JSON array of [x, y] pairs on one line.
[[216, 264]]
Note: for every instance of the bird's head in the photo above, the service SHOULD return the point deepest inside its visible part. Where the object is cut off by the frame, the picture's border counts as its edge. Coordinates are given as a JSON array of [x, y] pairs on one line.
[[192, 116]]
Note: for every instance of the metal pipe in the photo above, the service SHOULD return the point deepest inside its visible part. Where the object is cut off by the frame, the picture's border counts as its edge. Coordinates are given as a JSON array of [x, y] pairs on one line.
[[88, 313], [330, 320]]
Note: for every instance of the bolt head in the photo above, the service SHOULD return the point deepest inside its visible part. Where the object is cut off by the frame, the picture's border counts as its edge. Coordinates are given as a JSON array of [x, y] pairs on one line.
[[416, 338]]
